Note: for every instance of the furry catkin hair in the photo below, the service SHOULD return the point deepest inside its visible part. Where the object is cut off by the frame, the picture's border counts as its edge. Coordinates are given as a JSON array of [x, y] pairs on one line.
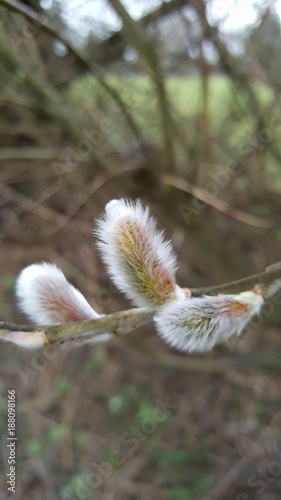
[[140, 262], [46, 297], [197, 324]]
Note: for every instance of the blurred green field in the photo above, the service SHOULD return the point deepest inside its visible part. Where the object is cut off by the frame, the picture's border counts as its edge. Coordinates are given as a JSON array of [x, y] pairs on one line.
[[227, 114], [185, 94]]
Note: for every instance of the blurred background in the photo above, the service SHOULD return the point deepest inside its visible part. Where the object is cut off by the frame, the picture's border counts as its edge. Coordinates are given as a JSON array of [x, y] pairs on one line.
[[176, 103]]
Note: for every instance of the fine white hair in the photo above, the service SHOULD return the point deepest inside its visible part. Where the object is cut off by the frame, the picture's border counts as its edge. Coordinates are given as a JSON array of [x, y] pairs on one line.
[[46, 297], [198, 324], [140, 262]]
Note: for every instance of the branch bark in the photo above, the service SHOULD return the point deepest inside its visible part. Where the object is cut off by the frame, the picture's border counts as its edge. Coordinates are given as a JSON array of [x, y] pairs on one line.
[[124, 322], [119, 323]]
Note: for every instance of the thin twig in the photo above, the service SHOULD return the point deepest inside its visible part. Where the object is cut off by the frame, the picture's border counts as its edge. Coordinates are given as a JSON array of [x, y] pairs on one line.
[[46, 213], [28, 153], [268, 283], [221, 205]]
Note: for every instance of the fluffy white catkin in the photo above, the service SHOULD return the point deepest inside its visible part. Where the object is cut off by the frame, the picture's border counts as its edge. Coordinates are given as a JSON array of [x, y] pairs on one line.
[[46, 297], [140, 262], [197, 324]]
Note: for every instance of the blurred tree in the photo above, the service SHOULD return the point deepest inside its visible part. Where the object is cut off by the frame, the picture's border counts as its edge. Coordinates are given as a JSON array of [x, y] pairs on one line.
[[263, 46]]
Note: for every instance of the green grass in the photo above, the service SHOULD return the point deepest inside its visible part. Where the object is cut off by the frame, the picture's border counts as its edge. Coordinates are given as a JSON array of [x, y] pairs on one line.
[[185, 94], [231, 118]]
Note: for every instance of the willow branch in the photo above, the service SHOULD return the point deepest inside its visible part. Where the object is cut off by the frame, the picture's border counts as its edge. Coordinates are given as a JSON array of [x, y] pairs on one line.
[[268, 282], [119, 323], [124, 322]]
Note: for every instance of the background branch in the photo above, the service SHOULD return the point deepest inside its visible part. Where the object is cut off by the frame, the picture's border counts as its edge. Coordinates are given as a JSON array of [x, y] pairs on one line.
[[92, 67], [149, 54]]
